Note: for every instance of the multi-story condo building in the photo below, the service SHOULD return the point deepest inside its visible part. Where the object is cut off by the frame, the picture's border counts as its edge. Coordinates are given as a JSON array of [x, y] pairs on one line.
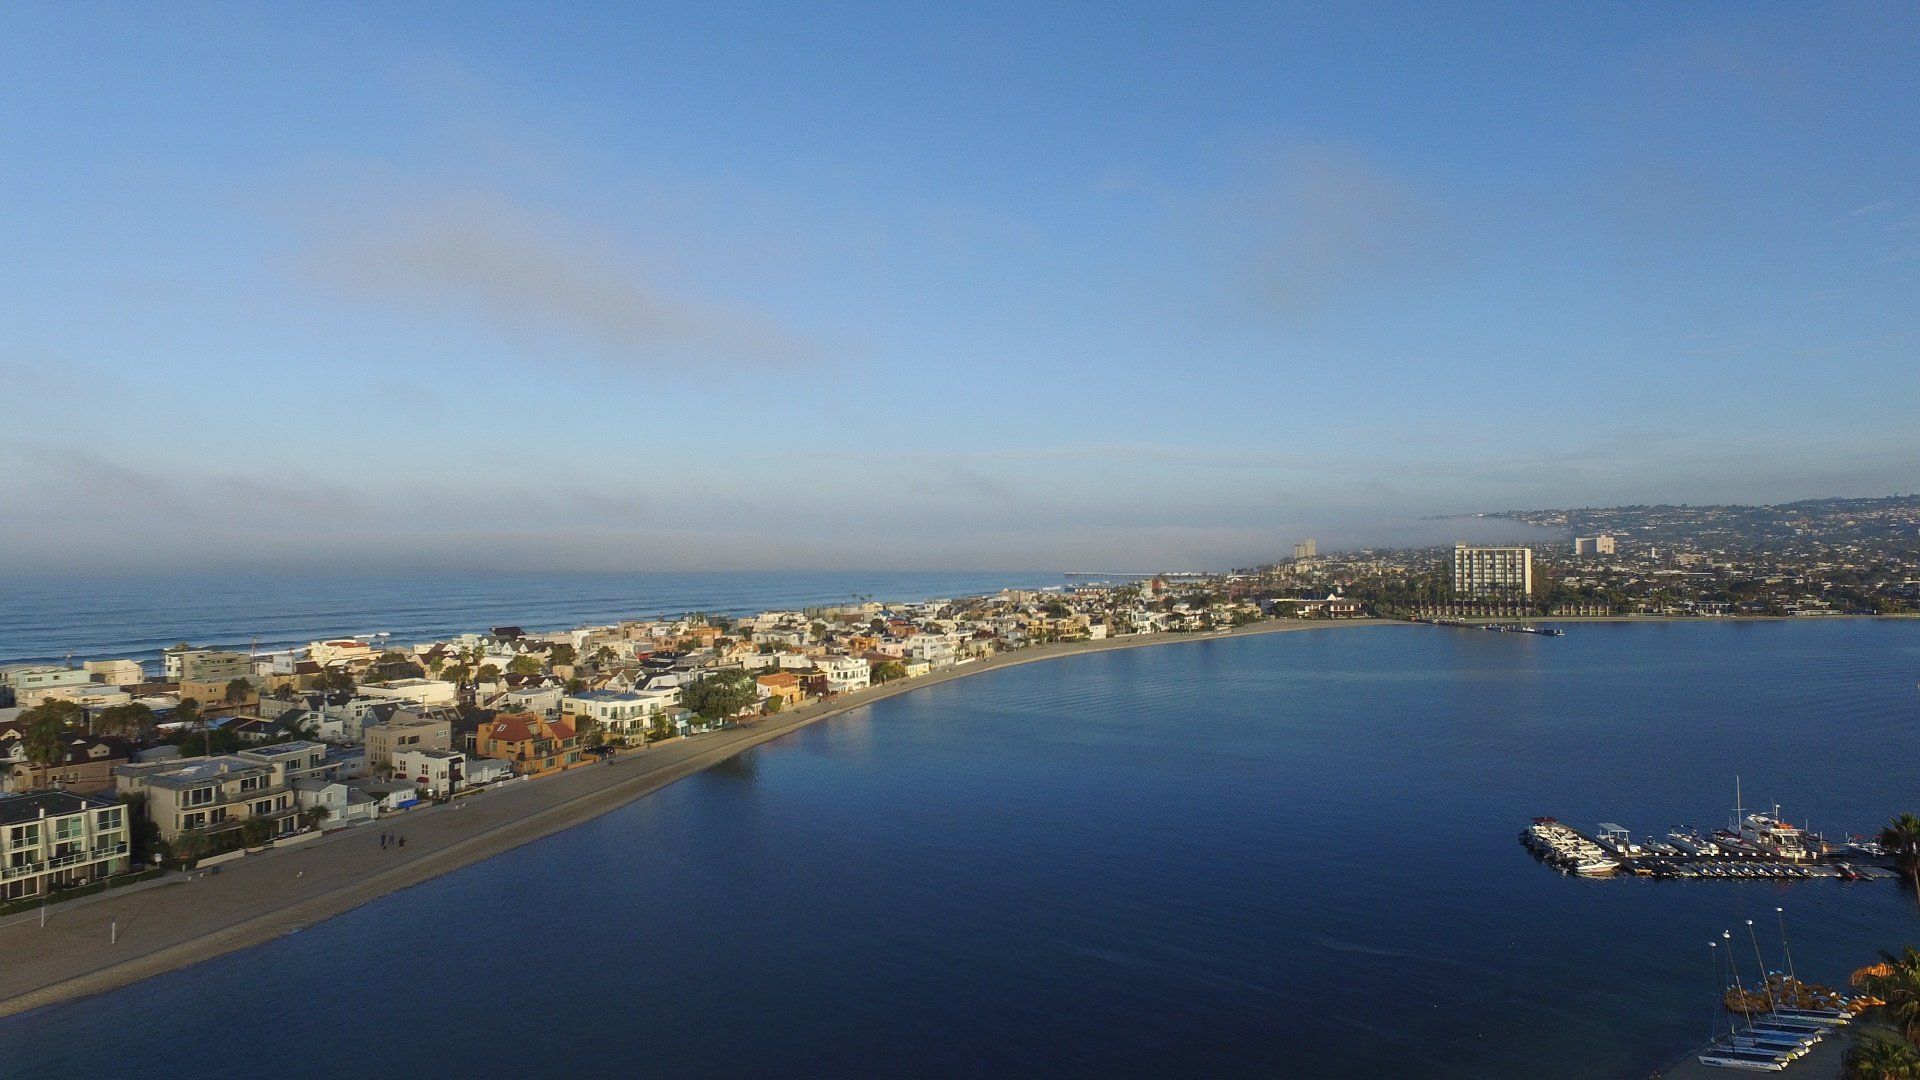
[[1306, 549], [56, 839], [405, 732], [616, 712], [1593, 545], [1492, 572], [212, 794], [205, 665]]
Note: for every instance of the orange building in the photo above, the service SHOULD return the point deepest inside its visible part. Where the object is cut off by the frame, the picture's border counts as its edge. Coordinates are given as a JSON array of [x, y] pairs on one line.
[[533, 745], [784, 685]]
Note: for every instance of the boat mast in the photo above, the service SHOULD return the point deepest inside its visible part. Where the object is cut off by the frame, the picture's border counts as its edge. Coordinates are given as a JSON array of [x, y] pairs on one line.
[[1772, 1004], [1737, 808], [1727, 936], [1782, 914]]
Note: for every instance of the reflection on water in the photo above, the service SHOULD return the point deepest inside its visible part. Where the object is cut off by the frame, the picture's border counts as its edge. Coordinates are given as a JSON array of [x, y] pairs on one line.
[[1239, 857]]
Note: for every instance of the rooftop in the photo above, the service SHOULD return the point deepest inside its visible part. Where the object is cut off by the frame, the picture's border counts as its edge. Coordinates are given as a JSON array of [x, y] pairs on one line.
[[32, 805], [197, 771], [296, 748]]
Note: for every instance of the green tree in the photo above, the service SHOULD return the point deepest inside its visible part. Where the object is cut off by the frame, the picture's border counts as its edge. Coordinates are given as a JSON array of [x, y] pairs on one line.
[[775, 703], [63, 713], [1902, 837], [562, 654], [888, 670], [238, 690], [488, 673], [336, 680], [45, 742], [132, 721], [190, 845], [312, 816], [255, 831], [523, 665], [1876, 1057], [721, 694]]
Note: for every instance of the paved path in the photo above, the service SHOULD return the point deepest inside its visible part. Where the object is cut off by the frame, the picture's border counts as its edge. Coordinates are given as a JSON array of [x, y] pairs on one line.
[[264, 896]]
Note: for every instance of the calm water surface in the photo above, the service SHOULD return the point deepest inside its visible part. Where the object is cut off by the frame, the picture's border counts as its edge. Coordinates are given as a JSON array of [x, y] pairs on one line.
[[1290, 855]]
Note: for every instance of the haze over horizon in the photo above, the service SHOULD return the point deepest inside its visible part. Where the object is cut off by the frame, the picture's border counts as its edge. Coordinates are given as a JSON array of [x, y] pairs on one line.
[[723, 286]]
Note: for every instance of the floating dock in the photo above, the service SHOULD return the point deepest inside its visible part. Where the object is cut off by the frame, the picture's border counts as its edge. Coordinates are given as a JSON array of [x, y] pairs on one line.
[[1766, 850]]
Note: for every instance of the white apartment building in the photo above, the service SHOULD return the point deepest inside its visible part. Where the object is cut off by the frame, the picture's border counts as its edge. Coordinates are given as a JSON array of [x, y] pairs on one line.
[[428, 692], [55, 839], [617, 712], [845, 674], [937, 650], [1593, 545], [1492, 572], [440, 772]]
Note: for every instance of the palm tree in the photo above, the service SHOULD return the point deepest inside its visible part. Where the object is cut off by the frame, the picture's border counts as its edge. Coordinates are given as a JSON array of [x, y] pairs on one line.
[[45, 743], [1900, 989], [1902, 837], [1882, 1059]]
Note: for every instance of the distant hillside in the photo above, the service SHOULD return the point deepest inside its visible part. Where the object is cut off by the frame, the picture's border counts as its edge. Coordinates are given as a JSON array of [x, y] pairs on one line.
[[1891, 521]]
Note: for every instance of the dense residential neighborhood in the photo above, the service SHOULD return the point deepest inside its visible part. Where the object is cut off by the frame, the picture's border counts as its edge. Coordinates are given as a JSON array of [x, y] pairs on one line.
[[211, 753], [208, 753]]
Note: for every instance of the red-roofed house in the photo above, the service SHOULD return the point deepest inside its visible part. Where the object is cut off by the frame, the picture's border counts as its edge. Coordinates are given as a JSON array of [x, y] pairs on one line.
[[533, 745]]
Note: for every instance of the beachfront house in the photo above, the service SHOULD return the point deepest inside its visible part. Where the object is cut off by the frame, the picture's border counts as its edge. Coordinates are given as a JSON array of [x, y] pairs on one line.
[[344, 805], [532, 745], [783, 685], [844, 674], [439, 772], [215, 795], [618, 714], [58, 839]]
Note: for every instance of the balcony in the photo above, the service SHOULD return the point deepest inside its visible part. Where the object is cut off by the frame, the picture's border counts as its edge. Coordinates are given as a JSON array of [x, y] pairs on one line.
[[78, 858]]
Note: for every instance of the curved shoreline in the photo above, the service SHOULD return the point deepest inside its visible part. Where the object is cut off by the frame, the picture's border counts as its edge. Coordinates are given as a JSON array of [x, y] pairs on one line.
[[265, 896]]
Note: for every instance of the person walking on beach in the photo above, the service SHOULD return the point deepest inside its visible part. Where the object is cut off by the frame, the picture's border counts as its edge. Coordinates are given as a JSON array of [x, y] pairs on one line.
[[383, 841], [403, 841]]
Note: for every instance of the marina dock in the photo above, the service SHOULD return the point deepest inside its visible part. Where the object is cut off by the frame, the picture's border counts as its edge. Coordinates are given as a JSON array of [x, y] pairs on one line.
[[1764, 848]]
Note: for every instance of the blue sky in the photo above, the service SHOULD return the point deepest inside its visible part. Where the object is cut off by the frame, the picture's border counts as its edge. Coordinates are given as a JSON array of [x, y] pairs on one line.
[[832, 286]]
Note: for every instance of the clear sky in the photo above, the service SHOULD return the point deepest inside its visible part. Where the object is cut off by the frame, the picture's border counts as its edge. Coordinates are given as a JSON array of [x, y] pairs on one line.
[[648, 286]]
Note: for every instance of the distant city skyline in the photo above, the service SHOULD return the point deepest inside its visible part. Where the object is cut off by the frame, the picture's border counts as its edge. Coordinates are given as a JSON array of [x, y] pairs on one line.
[[493, 286]]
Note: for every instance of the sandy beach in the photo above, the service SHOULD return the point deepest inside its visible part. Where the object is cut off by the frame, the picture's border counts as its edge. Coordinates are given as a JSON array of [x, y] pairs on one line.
[[182, 921]]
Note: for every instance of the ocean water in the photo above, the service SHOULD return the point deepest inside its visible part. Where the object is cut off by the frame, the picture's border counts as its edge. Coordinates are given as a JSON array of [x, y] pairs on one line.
[[48, 618], [1285, 855]]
